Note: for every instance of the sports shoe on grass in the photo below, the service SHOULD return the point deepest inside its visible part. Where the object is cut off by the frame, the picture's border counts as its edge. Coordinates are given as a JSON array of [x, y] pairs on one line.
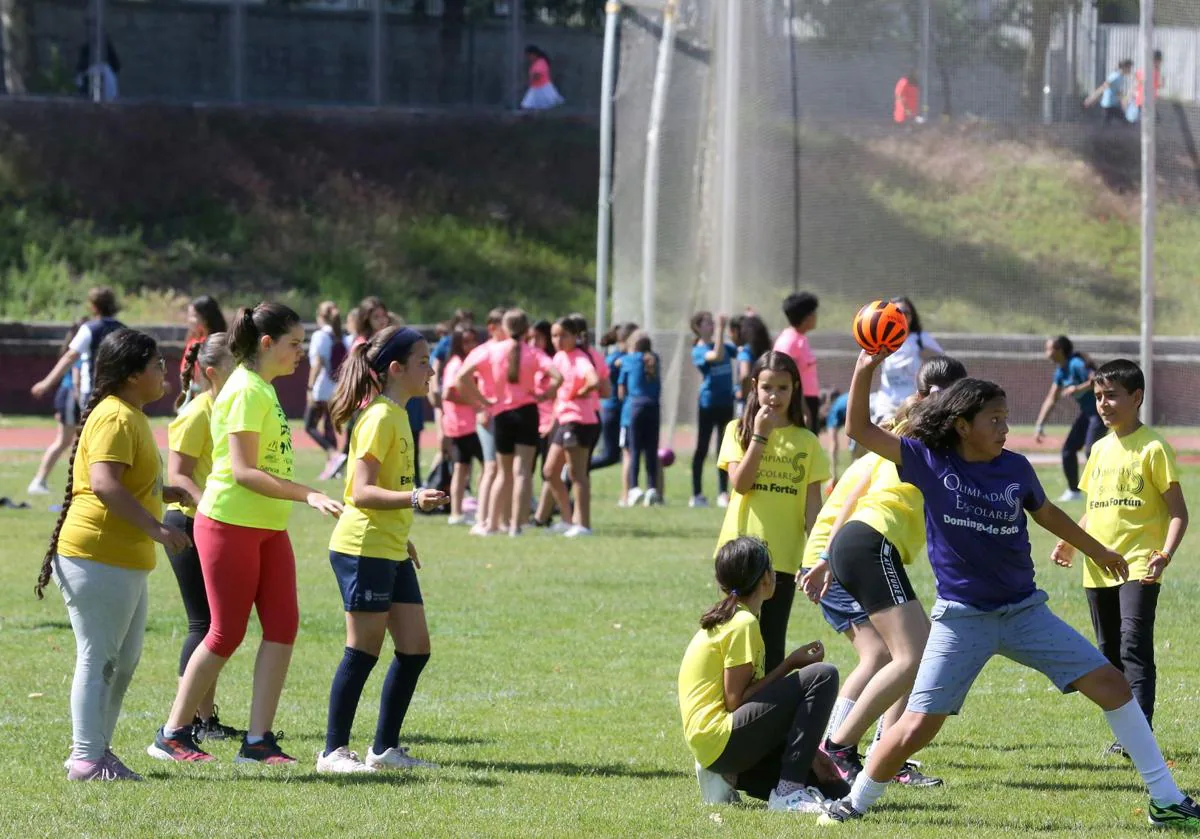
[[839, 811], [397, 758], [92, 770], [123, 772], [698, 501], [264, 751], [714, 788], [180, 746], [1070, 495], [37, 488], [803, 800], [723, 500], [578, 531], [341, 761], [634, 497], [847, 761], [1116, 750], [652, 498], [212, 729], [911, 776], [1183, 814]]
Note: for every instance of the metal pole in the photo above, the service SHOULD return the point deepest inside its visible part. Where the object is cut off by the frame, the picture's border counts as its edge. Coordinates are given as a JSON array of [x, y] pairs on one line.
[[376, 50], [1047, 92], [237, 48], [515, 52], [658, 106], [608, 77], [99, 53], [926, 53], [1149, 171], [797, 156], [730, 67]]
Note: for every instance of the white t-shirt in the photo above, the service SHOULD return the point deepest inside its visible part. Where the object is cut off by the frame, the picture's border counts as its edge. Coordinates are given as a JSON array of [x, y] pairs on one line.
[[82, 344], [321, 347], [898, 378]]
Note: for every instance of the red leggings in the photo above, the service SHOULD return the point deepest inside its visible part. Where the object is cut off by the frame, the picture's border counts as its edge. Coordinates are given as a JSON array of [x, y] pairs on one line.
[[244, 567]]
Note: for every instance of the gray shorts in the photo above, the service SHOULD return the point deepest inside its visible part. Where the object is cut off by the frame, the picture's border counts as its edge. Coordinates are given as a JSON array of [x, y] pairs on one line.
[[963, 639]]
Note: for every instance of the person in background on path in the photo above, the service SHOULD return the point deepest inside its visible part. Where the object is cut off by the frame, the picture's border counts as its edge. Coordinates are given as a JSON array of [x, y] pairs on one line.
[[1114, 94], [1073, 378], [66, 414], [84, 346], [898, 379], [1140, 90], [101, 552], [108, 68], [1135, 504], [542, 94], [713, 356], [906, 99], [800, 309], [325, 354], [640, 385], [748, 726]]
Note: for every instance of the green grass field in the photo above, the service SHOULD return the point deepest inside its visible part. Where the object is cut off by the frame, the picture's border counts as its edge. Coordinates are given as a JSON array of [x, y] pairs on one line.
[[549, 702]]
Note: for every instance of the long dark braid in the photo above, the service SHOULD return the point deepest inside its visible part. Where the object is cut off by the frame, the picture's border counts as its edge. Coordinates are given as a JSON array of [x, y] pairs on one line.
[[124, 353]]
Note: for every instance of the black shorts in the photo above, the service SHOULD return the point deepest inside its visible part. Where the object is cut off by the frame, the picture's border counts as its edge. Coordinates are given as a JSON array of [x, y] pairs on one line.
[[518, 427], [466, 449], [66, 408], [869, 567], [575, 435]]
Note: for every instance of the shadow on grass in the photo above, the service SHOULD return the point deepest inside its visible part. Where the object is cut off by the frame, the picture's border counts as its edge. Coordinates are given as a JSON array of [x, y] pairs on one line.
[[1097, 765], [569, 770], [1071, 786], [311, 777], [989, 747]]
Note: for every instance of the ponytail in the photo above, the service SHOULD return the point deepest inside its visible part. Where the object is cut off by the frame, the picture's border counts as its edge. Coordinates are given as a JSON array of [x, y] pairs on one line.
[[650, 363], [243, 335], [185, 377], [356, 384], [722, 612], [266, 320], [740, 566], [514, 362], [516, 324], [642, 344]]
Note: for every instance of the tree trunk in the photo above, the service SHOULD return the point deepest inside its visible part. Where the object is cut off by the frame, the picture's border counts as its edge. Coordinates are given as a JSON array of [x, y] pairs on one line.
[[1035, 61], [16, 20]]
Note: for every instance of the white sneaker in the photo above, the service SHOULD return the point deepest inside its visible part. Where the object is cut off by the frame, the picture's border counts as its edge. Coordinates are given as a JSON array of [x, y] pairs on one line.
[[397, 758], [698, 501], [577, 531], [559, 528], [803, 800], [341, 762], [459, 521], [515, 533], [1070, 495], [723, 500], [652, 498], [481, 530], [714, 789], [37, 487], [635, 495]]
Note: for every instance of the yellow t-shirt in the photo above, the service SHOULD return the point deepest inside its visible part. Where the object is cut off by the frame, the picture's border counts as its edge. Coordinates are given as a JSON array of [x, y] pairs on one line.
[[189, 434], [248, 403], [383, 432], [818, 539], [706, 723], [115, 432], [774, 510], [894, 509], [1125, 479]]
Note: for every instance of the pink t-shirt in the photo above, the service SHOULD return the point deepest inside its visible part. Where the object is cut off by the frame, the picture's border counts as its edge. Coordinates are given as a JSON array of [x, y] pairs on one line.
[[545, 407], [796, 345], [576, 366], [602, 371], [478, 358], [457, 420], [513, 395], [539, 73]]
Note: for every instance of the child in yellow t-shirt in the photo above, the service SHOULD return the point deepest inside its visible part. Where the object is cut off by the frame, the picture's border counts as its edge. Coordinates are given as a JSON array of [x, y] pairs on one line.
[[373, 559], [748, 727], [102, 549], [1135, 506], [776, 467]]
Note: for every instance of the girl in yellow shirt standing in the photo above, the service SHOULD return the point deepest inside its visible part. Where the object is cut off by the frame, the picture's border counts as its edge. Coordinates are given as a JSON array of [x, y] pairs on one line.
[[241, 534], [776, 466], [373, 559], [102, 549], [750, 728], [189, 460]]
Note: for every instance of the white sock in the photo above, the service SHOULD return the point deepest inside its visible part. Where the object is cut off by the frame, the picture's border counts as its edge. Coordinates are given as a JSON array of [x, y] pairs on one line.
[[1132, 731], [252, 740], [879, 727], [866, 792], [841, 710]]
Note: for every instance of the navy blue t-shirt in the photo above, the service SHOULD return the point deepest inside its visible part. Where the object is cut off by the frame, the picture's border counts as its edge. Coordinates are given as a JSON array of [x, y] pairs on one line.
[[1076, 372]]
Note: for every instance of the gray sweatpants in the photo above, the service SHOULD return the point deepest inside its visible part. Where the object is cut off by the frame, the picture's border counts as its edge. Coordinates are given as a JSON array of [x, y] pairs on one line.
[[107, 607]]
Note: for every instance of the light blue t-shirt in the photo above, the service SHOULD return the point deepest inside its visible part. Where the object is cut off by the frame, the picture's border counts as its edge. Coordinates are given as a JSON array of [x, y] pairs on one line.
[[716, 389], [640, 387], [1111, 98], [743, 354], [1075, 372], [613, 360]]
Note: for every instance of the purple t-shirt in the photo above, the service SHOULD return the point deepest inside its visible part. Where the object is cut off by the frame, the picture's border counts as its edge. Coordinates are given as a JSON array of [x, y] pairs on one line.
[[975, 523]]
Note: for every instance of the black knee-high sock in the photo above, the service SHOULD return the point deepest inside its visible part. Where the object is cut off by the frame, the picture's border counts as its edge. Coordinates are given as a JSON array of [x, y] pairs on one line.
[[347, 687], [398, 689]]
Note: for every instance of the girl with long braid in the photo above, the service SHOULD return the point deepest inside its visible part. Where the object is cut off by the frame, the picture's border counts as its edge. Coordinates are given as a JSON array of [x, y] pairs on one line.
[[102, 549]]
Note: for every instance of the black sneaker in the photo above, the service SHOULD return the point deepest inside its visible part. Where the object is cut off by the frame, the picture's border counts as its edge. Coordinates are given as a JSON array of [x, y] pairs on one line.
[[265, 751], [1116, 750], [179, 747], [847, 761], [212, 729], [911, 776], [1183, 814], [839, 811]]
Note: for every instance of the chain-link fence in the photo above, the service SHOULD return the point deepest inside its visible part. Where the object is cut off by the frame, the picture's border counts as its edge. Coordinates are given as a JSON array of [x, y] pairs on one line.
[[939, 149]]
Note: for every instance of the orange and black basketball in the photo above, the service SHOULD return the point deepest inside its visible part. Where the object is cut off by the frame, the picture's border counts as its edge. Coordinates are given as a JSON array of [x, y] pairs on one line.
[[880, 326]]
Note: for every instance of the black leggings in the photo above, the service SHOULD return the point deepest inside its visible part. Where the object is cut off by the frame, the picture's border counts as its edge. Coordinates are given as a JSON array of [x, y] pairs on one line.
[[186, 565], [776, 734], [1123, 618], [314, 412], [712, 420], [812, 413], [643, 442], [773, 621]]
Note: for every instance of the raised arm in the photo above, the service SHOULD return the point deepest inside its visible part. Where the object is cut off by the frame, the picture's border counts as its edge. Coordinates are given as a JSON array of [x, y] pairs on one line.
[[858, 414]]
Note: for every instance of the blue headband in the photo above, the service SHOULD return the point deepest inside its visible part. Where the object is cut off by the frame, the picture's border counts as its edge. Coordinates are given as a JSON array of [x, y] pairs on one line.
[[396, 348]]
